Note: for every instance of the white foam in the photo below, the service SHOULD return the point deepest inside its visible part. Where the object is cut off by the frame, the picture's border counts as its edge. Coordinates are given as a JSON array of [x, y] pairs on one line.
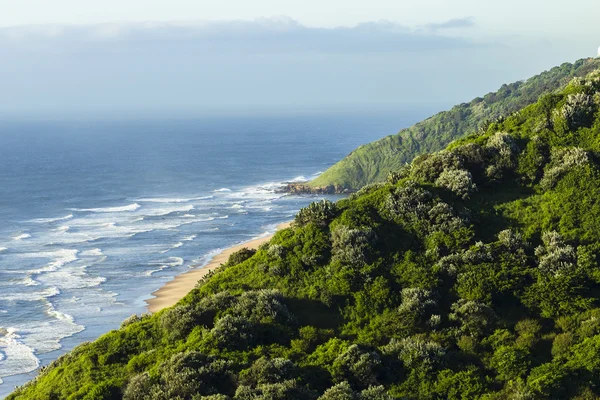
[[158, 212], [170, 262], [237, 206], [164, 264], [173, 200], [31, 296], [59, 259], [71, 278], [222, 190], [51, 220], [17, 357], [21, 237], [45, 336], [92, 253], [131, 207], [189, 238], [175, 246], [3, 249], [299, 179]]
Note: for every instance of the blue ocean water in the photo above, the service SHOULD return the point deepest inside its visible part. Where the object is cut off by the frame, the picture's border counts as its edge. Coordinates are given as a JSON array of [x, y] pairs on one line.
[[96, 215]]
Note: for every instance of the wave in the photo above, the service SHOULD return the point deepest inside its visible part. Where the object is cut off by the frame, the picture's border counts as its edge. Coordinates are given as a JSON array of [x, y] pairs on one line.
[[21, 237], [173, 200], [164, 264], [92, 253], [131, 207], [17, 357], [51, 220], [169, 262], [298, 179], [32, 296], [60, 258], [222, 190], [71, 278], [159, 212], [3, 249], [175, 246], [189, 238]]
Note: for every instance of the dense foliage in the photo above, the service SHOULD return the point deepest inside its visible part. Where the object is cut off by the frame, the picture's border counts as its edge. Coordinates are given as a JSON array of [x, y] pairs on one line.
[[471, 273], [372, 162]]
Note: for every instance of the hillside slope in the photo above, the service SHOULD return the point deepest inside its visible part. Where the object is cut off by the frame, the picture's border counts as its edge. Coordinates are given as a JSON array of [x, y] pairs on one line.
[[372, 162], [471, 273]]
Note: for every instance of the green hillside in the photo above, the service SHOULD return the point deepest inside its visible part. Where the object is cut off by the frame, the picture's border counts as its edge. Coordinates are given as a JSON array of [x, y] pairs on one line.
[[472, 273], [372, 162]]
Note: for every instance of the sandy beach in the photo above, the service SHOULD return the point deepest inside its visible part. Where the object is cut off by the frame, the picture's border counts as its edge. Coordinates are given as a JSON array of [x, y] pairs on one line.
[[182, 284]]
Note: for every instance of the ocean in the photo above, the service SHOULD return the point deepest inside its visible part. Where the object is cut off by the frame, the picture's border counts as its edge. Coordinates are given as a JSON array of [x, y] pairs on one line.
[[96, 215]]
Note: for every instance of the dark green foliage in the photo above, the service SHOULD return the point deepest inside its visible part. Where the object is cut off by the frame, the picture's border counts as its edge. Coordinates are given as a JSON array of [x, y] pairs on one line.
[[423, 287]]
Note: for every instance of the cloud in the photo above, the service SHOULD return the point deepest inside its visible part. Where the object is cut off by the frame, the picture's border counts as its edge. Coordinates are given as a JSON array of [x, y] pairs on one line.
[[456, 23], [265, 35]]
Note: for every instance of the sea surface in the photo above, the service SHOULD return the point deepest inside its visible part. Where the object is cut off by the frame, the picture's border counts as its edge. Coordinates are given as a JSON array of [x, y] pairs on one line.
[[96, 215]]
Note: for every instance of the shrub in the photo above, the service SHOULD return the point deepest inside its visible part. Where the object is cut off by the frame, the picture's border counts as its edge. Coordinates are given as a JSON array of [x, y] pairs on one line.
[[409, 202], [240, 256], [138, 388], [578, 110], [233, 332], [285, 390], [562, 161], [415, 352], [319, 213], [429, 167], [555, 257], [458, 181], [262, 306], [341, 391], [266, 370], [503, 150], [416, 301], [178, 322], [351, 246], [511, 239], [357, 366], [474, 318]]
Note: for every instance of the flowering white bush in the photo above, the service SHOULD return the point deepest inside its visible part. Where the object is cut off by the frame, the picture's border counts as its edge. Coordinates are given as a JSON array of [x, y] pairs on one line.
[[458, 181], [555, 257], [562, 161]]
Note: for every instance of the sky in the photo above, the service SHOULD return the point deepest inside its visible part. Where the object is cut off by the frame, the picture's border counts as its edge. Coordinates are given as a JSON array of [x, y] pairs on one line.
[[203, 57]]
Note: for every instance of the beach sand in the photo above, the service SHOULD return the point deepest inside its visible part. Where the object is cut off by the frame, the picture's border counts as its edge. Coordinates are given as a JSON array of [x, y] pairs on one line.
[[175, 290]]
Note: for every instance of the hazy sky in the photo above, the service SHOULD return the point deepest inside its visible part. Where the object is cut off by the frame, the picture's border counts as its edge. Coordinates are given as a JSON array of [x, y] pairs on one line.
[[201, 57]]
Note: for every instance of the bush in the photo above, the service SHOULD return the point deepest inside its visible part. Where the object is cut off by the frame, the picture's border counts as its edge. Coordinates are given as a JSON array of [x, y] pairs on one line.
[[555, 257], [262, 306], [319, 213], [415, 352], [341, 391], [472, 317], [178, 322], [578, 110], [240, 256], [357, 366], [351, 246], [267, 371], [561, 162], [458, 181]]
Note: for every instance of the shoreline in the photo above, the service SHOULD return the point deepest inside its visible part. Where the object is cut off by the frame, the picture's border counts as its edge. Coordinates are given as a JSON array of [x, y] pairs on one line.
[[177, 288]]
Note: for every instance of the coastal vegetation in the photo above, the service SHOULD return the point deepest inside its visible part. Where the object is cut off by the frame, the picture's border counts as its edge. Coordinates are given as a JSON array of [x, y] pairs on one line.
[[374, 161], [472, 272]]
